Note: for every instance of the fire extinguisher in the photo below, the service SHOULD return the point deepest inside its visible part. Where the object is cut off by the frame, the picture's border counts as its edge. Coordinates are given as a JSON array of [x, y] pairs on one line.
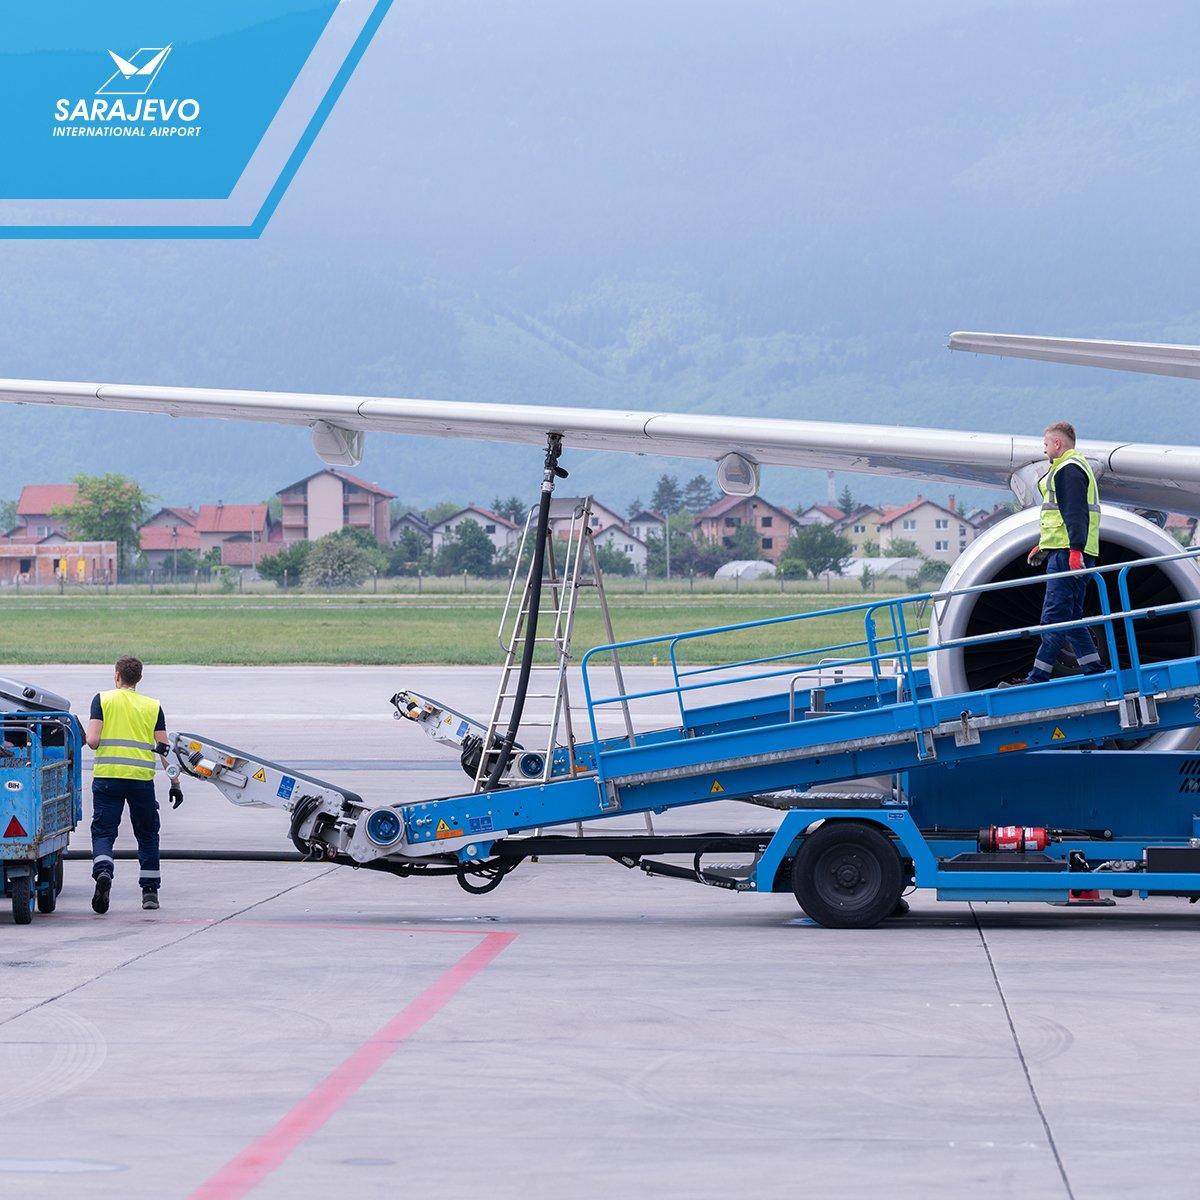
[[1013, 839]]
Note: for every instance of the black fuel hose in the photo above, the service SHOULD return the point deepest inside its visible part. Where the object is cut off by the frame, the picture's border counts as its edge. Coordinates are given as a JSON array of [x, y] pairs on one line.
[[552, 471]]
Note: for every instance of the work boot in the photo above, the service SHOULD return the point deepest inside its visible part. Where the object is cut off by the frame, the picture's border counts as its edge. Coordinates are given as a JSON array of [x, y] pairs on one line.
[[150, 898], [100, 897]]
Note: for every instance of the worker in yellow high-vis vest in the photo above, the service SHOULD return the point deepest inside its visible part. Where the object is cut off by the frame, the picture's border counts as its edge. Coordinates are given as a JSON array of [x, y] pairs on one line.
[[1068, 542], [127, 731]]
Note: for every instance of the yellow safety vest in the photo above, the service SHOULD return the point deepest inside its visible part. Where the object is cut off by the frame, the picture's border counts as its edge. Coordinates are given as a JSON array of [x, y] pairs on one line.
[[126, 749], [1053, 529]]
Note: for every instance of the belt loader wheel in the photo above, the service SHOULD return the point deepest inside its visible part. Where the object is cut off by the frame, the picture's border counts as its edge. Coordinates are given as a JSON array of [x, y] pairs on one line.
[[22, 899], [847, 875], [49, 885]]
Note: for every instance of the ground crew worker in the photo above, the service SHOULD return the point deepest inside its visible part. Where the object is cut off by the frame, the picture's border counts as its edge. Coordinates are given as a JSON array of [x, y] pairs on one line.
[[1068, 540], [126, 730]]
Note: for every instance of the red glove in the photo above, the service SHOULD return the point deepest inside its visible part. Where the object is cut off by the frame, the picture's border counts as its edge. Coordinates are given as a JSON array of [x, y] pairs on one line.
[[1075, 560]]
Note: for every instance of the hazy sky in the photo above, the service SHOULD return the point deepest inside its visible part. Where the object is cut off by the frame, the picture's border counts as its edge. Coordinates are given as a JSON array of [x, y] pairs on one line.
[[776, 208]]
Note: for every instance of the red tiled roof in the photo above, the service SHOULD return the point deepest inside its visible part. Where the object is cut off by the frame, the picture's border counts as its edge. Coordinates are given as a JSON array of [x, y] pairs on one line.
[[241, 554], [890, 514], [346, 477], [834, 514], [167, 537], [719, 508], [231, 518], [189, 516], [39, 498]]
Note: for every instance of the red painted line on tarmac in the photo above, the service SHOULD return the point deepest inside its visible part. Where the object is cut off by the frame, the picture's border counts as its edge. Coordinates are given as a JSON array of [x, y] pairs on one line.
[[264, 1155]]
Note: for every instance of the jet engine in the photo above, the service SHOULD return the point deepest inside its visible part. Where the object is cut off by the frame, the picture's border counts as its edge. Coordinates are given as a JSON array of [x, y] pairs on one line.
[[999, 554]]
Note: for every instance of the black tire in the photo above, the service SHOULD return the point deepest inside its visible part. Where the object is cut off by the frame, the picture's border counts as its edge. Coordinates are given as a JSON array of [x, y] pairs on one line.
[[22, 900], [58, 876], [47, 895], [847, 875]]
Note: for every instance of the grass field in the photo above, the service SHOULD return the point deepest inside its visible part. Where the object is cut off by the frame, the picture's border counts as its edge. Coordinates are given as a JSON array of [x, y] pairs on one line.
[[269, 629]]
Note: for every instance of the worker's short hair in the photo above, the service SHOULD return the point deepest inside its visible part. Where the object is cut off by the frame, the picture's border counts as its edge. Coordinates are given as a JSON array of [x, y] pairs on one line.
[[129, 669], [1065, 428]]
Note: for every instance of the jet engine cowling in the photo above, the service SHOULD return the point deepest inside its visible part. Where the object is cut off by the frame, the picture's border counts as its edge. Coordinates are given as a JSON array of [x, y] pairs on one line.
[[999, 554]]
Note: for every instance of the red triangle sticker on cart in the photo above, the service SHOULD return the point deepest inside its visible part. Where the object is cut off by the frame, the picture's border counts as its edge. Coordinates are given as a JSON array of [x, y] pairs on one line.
[[15, 829]]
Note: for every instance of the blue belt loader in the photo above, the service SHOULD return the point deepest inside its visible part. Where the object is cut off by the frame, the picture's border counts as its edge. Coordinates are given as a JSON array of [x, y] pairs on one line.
[[41, 795], [951, 777]]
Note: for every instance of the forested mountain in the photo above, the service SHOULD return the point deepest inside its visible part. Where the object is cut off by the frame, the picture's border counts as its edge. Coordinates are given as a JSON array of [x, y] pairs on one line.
[[752, 208]]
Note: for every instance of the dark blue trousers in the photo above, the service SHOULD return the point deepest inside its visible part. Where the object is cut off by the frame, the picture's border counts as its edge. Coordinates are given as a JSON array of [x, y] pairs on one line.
[[109, 797], [1065, 595]]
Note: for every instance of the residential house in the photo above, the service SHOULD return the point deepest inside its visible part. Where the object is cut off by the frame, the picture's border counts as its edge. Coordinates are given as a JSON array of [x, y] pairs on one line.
[[861, 526], [35, 509], [219, 523], [772, 524], [938, 531], [54, 560], [329, 500], [820, 514], [562, 513], [502, 532], [416, 523], [984, 518], [167, 517], [160, 544], [621, 540], [645, 524]]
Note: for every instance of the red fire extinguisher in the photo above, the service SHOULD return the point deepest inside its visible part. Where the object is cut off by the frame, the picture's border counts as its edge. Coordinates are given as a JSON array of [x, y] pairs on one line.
[[1013, 839]]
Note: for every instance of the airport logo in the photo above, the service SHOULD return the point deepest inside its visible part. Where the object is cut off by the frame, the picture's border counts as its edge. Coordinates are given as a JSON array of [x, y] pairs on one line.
[[131, 112], [134, 74]]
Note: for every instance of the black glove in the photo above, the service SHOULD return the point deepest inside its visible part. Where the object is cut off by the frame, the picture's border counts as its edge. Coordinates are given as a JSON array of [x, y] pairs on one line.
[[175, 795]]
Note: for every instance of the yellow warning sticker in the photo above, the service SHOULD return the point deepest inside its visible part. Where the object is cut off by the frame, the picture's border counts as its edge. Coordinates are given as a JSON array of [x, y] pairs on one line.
[[716, 788], [1058, 735], [260, 775], [444, 831]]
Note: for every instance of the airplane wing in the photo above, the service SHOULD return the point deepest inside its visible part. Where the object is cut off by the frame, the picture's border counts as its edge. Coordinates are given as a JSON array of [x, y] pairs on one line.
[[1166, 477], [1147, 357]]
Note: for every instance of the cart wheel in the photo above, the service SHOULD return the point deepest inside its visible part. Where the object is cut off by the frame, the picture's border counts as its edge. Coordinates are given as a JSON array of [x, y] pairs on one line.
[[47, 895], [847, 875], [22, 900]]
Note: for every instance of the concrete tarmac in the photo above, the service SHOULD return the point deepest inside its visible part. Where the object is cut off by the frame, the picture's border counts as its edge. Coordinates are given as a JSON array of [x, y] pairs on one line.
[[283, 1030]]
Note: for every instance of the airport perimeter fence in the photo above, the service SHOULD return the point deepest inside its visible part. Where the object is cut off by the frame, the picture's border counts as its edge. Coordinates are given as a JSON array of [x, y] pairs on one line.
[[233, 582]]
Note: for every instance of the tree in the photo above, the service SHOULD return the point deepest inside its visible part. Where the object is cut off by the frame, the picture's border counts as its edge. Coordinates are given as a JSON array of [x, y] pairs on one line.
[[514, 508], [846, 500], [667, 497], [408, 554], [745, 544], [636, 507], [870, 549], [932, 572], [8, 515], [866, 580], [819, 548], [470, 550], [698, 493], [439, 512], [335, 562], [377, 557], [613, 561], [903, 548], [285, 567], [109, 508]]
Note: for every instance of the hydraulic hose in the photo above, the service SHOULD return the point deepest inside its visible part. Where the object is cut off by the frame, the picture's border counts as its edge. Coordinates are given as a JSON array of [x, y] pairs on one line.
[[552, 471]]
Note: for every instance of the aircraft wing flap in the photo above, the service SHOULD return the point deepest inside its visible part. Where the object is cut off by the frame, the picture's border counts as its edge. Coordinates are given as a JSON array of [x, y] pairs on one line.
[[1145, 357]]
